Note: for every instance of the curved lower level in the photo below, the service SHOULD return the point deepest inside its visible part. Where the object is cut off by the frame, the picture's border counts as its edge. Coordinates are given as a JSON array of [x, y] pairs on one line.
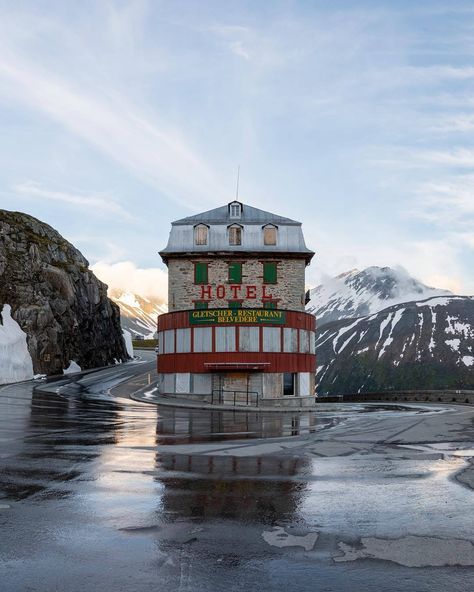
[[238, 357]]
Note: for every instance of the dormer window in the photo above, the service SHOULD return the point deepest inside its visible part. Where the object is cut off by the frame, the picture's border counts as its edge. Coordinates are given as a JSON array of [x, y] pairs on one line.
[[235, 235], [235, 209], [269, 235], [201, 234]]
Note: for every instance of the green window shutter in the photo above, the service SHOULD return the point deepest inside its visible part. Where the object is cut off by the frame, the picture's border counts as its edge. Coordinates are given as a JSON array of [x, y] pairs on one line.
[[200, 305], [235, 273], [270, 273], [235, 304], [269, 304], [200, 273]]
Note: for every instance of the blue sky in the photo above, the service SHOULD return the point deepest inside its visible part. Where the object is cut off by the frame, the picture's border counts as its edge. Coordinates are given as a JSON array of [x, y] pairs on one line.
[[354, 117]]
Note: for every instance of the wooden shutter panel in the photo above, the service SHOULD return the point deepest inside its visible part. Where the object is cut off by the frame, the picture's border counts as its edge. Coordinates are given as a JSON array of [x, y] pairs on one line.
[[270, 273], [200, 273], [235, 273]]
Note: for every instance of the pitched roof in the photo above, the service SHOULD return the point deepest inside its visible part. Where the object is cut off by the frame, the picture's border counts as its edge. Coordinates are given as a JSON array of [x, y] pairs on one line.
[[250, 215]]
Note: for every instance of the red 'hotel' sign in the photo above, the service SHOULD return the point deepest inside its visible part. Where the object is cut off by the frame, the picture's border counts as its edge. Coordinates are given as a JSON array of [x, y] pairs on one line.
[[247, 316]]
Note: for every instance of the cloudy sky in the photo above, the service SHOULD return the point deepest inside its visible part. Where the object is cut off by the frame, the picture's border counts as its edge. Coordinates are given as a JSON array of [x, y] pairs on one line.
[[355, 117]]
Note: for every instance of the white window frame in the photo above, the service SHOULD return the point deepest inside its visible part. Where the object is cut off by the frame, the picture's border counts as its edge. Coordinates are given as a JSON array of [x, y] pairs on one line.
[[235, 210]]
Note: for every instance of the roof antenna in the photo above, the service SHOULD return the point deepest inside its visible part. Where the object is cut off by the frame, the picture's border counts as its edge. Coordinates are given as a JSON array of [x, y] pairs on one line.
[[237, 189]]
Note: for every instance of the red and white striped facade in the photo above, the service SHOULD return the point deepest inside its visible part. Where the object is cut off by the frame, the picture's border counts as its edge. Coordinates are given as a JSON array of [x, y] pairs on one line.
[[257, 349]]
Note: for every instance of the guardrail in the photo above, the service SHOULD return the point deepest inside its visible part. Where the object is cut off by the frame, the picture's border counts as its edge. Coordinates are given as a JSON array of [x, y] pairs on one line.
[[221, 399], [427, 396]]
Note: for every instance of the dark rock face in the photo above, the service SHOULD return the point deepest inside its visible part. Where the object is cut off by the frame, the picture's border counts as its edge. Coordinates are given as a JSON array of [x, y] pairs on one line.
[[427, 344], [59, 303]]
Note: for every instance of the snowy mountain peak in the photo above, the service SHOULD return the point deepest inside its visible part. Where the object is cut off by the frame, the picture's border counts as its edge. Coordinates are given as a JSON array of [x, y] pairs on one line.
[[360, 293], [139, 315]]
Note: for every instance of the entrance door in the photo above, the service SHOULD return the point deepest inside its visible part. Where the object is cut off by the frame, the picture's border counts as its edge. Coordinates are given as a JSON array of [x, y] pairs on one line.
[[235, 381]]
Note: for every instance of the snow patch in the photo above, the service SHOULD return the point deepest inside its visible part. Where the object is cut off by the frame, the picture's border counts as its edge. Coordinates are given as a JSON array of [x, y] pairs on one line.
[[396, 317], [453, 344], [455, 327], [15, 360], [468, 360], [73, 368], [127, 337]]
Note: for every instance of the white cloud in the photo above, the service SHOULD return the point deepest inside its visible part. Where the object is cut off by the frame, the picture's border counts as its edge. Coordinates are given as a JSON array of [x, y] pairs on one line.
[[127, 277], [92, 203], [96, 111]]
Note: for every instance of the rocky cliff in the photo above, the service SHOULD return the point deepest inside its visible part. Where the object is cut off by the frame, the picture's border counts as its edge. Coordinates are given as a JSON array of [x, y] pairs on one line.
[[56, 300]]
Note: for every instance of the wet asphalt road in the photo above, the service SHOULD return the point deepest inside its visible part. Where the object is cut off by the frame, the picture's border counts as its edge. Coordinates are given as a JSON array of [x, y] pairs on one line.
[[98, 492]]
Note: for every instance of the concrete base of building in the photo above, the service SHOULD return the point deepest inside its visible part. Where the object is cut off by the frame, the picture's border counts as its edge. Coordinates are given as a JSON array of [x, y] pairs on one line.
[[272, 389], [300, 404]]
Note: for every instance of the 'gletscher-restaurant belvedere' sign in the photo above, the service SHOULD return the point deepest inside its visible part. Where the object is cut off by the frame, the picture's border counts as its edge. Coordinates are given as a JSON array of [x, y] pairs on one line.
[[245, 316]]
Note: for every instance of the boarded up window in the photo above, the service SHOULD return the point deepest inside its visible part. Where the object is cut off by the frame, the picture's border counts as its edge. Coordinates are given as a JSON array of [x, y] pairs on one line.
[[304, 341], [304, 389], [271, 339], [225, 339], [169, 341], [270, 273], [235, 235], [200, 234], [183, 341], [182, 382], [202, 384], [235, 273], [202, 339], [290, 340], [168, 383], [200, 273], [249, 339], [269, 235]]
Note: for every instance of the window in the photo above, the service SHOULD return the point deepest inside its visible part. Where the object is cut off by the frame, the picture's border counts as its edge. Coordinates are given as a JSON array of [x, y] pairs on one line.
[[235, 235], [235, 273], [200, 273], [225, 339], [202, 339], [304, 341], [235, 209], [270, 273], [289, 384], [290, 340], [183, 341], [271, 339], [249, 339], [169, 341], [200, 234], [200, 304], [269, 235], [235, 303], [269, 304]]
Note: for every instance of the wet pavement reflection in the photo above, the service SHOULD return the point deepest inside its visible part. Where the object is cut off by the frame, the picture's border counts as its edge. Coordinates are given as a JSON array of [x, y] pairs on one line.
[[100, 492]]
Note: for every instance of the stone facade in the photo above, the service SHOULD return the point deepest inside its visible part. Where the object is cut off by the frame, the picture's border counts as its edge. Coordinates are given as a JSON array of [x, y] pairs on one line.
[[288, 292]]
